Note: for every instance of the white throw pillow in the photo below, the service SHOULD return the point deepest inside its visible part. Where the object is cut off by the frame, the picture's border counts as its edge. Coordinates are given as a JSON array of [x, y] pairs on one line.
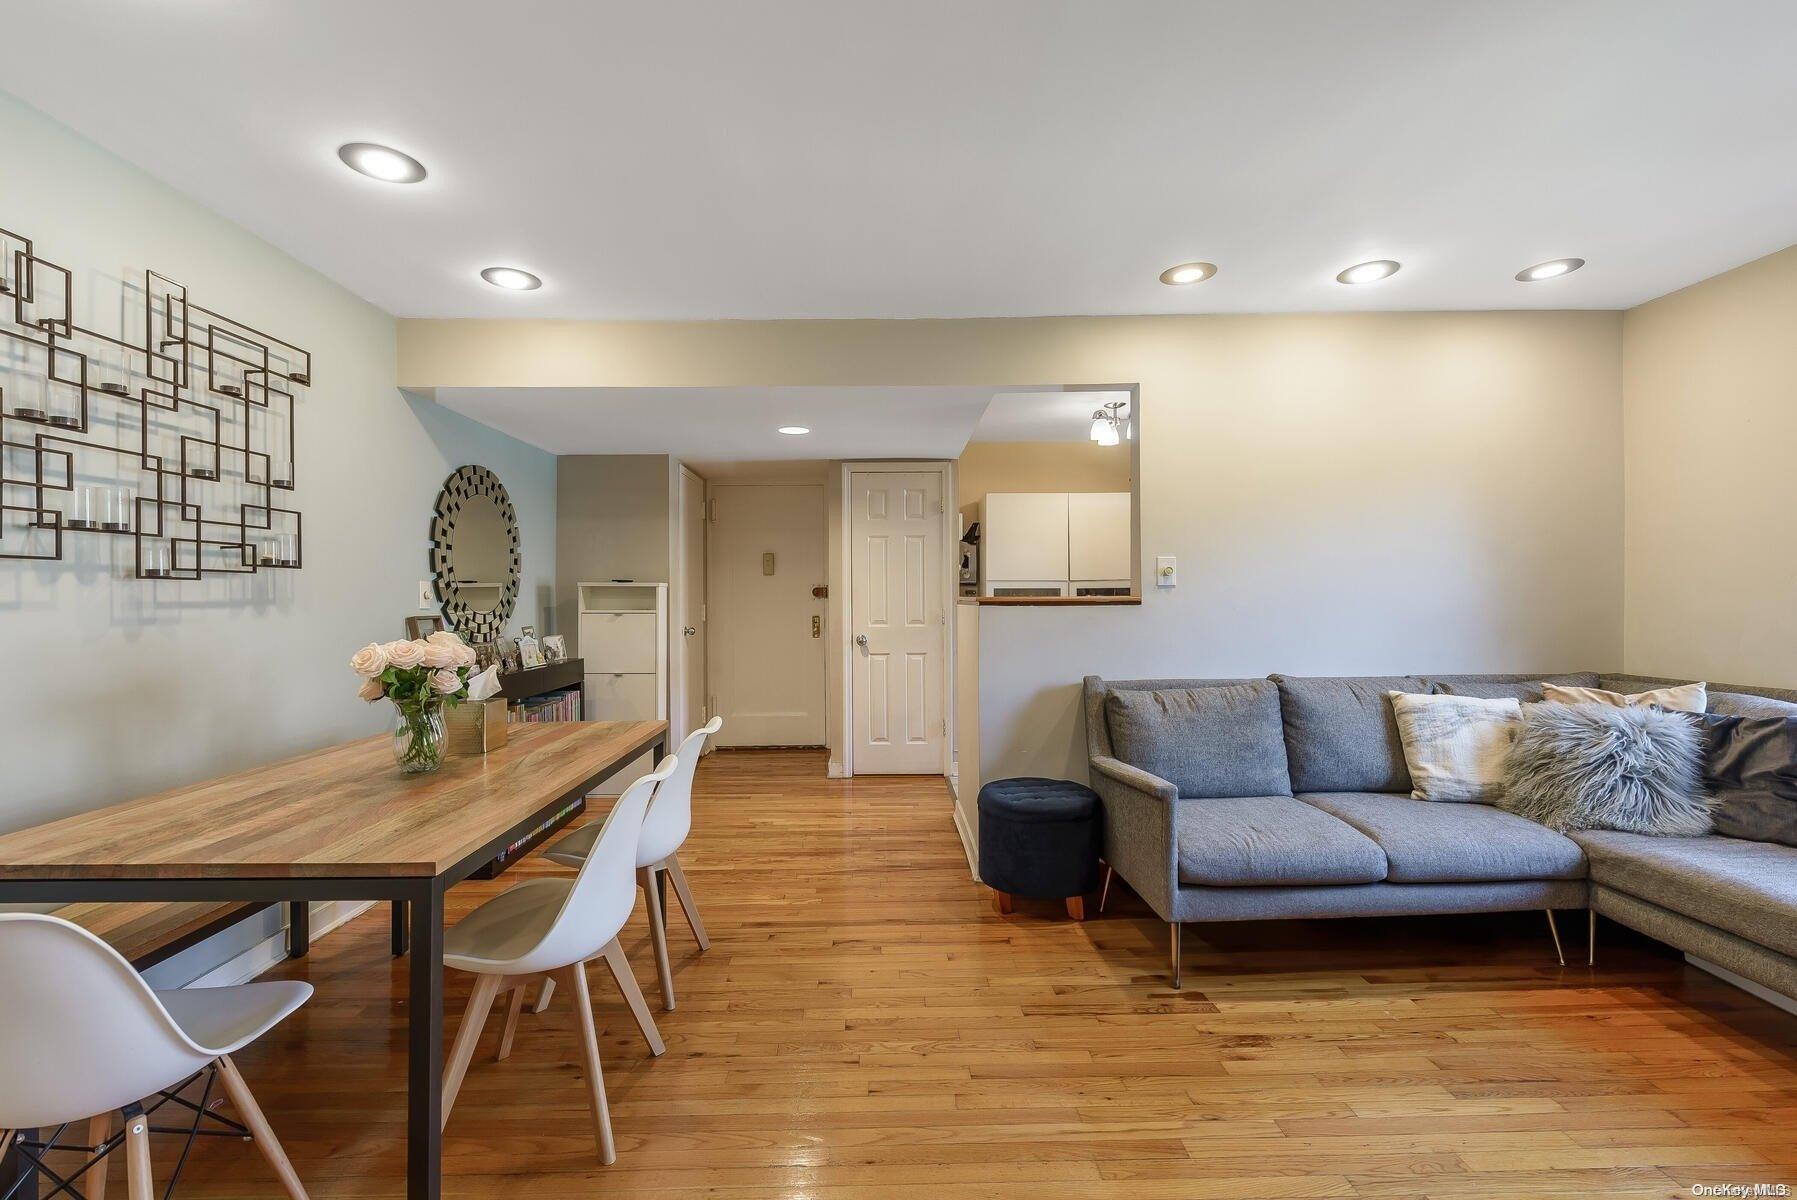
[[1686, 697], [1455, 745]]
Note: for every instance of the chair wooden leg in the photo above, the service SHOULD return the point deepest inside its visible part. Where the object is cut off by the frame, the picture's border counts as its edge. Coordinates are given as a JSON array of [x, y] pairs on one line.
[[5, 1141], [684, 894], [633, 995], [1001, 901], [543, 995], [138, 1183], [1554, 929], [582, 1004], [251, 1112], [1076, 907], [480, 1003], [658, 934], [93, 1180], [512, 1014]]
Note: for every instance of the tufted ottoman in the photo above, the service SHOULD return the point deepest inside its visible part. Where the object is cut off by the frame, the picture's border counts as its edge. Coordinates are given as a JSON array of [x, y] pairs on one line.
[[1040, 838]]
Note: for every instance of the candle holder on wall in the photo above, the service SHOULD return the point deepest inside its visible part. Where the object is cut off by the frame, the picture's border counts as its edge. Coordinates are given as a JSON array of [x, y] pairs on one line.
[[199, 431]]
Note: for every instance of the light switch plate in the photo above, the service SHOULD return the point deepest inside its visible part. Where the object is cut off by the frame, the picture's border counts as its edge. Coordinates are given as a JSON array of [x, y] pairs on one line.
[[1166, 571], [425, 601]]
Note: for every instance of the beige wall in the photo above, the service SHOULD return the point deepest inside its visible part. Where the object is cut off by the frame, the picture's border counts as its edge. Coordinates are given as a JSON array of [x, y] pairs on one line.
[[1344, 493], [1709, 426], [613, 520], [1041, 467]]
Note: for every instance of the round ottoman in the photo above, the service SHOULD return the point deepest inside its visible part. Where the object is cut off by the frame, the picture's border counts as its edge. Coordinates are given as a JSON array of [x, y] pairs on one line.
[[1040, 838]]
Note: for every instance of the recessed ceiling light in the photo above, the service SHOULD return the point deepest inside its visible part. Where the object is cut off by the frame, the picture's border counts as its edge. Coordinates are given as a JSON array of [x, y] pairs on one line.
[[1192, 272], [1550, 270], [1369, 272], [381, 162], [795, 430], [512, 279]]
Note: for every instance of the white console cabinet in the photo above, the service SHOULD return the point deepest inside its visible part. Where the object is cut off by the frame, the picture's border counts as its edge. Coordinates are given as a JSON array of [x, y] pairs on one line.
[[623, 638]]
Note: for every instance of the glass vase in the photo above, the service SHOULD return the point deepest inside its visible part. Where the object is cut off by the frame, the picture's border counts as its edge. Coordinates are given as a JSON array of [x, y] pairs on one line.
[[418, 737]]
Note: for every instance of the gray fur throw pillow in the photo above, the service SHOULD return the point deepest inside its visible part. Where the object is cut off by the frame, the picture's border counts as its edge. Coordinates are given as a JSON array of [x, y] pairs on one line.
[[1589, 766]]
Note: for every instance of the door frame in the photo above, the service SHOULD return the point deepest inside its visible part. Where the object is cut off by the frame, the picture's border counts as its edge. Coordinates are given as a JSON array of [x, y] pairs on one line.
[[950, 575], [711, 575], [677, 596]]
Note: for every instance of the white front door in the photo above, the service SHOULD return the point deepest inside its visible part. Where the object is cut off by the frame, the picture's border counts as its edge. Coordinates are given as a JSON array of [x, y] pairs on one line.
[[689, 617], [767, 645], [897, 623]]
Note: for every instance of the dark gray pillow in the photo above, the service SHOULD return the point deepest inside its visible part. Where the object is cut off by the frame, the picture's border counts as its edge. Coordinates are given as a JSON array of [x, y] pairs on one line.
[[1526, 688], [1750, 770], [1340, 733], [1590, 766], [1208, 742]]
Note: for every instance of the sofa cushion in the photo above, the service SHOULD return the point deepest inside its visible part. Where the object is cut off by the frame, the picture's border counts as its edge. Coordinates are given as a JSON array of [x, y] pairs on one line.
[[1270, 840], [1340, 734], [1454, 746], [1211, 741], [1740, 704], [1526, 688], [1685, 697], [1746, 888], [1453, 843]]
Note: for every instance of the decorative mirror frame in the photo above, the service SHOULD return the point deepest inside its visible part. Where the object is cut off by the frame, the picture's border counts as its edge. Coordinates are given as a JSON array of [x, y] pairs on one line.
[[465, 484]]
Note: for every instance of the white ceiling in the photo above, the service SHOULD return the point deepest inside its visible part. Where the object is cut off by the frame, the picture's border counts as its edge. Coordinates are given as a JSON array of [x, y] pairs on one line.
[[709, 427], [1042, 416], [844, 158]]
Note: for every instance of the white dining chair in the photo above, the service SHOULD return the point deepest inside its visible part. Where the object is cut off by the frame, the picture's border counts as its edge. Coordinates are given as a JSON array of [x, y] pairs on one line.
[[83, 1037], [670, 819], [547, 929]]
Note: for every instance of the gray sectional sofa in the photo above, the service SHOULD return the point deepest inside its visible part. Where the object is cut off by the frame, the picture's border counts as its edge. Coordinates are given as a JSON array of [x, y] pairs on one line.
[[1252, 799]]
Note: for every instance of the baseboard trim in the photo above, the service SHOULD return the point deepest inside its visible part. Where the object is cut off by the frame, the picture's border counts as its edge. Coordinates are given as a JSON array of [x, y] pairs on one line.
[[835, 771], [1758, 991], [271, 951], [969, 841]]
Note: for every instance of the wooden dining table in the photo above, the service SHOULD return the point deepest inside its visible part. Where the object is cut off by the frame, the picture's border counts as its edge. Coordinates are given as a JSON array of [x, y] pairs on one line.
[[341, 823]]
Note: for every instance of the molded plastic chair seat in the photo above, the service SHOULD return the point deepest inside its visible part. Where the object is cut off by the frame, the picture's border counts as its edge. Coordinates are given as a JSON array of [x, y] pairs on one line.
[[507, 927], [669, 820], [224, 1020]]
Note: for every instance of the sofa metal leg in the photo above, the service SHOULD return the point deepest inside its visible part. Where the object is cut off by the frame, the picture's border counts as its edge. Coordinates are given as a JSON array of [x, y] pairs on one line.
[[1174, 926], [1555, 930], [1104, 893], [1591, 947]]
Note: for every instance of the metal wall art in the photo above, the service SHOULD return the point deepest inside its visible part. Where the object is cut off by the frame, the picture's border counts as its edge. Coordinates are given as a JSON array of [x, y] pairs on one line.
[[177, 436], [474, 553]]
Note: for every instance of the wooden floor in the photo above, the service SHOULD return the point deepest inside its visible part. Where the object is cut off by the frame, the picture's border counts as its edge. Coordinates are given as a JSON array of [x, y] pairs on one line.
[[866, 1026]]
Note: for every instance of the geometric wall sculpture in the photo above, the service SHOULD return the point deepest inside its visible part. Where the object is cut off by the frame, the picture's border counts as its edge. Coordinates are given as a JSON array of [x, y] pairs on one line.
[[175, 434]]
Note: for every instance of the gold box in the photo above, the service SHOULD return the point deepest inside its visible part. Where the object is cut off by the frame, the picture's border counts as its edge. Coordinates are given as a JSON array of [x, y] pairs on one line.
[[475, 727]]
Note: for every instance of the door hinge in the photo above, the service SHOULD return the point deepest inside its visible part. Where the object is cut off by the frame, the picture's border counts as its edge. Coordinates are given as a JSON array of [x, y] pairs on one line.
[[942, 727]]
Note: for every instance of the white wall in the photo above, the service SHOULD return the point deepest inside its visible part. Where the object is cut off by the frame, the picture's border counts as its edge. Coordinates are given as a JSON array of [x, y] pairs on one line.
[[1709, 425], [116, 687]]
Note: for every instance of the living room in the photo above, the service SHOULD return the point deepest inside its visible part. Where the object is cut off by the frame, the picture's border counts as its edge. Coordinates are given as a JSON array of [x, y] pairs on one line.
[[1453, 351]]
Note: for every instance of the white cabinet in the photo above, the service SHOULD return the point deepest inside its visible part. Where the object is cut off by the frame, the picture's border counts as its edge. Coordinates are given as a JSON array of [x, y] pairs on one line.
[[1098, 536], [1032, 543], [623, 638], [1023, 535]]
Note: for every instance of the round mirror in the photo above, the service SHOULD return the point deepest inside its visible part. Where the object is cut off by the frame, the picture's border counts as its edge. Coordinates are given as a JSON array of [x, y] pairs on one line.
[[474, 553]]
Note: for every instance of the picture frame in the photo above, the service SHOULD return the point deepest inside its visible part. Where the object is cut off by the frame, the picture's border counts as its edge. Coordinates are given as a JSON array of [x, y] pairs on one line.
[[530, 654], [420, 627], [508, 655], [555, 648]]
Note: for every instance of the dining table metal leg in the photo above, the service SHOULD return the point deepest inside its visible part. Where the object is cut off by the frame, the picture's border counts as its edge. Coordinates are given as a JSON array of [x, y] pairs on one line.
[[299, 928], [18, 1174], [401, 921], [424, 1068]]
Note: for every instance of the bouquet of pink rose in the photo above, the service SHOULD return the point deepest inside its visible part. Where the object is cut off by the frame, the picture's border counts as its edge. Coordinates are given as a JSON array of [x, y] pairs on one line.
[[421, 678]]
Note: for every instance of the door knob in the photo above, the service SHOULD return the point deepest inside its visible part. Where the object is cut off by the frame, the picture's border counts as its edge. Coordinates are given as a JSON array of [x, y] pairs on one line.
[[861, 640], [689, 631]]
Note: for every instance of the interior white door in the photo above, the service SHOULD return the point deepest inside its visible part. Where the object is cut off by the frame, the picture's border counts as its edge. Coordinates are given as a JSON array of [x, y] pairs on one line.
[[766, 644], [896, 617], [689, 631]]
